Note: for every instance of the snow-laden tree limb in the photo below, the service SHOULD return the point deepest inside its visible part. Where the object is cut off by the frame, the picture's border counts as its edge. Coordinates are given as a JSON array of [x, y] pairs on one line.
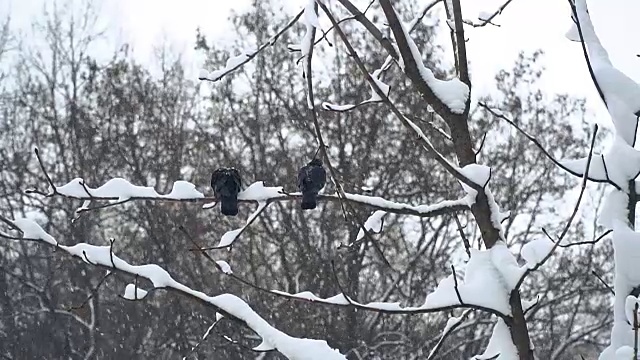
[[118, 191], [620, 93], [621, 163], [227, 304], [445, 96]]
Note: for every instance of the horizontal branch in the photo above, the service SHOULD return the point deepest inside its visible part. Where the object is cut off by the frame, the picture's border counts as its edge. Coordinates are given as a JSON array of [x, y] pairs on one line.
[[344, 300], [121, 191]]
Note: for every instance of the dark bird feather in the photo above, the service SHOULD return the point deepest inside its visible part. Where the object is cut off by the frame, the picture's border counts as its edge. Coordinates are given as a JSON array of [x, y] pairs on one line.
[[311, 179], [226, 184]]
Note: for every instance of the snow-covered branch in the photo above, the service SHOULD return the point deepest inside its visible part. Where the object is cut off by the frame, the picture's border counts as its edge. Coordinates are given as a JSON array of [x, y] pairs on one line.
[[452, 324], [487, 17], [620, 165], [445, 96], [235, 62], [227, 304], [117, 191]]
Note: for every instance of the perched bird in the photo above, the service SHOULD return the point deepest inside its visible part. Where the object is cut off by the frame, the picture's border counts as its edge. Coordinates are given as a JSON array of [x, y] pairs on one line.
[[311, 179], [226, 183]]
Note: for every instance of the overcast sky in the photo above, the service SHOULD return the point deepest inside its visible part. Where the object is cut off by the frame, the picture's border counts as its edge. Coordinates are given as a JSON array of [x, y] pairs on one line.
[[526, 25]]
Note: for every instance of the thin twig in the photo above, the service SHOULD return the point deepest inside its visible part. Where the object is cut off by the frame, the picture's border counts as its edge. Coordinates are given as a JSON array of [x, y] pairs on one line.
[[455, 285], [557, 241], [445, 335], [537, 143], [93, 292], [635, 330], [465, 240], [204, 337], [603, 282], [589, 242], [486, 21]]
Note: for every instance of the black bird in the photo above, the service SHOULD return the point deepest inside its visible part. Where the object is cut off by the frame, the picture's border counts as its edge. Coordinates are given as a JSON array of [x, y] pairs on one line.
[[311, 179], [226, 183]]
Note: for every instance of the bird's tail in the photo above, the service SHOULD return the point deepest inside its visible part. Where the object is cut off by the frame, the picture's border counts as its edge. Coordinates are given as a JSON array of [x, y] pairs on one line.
[[309, 199], [229, 205]]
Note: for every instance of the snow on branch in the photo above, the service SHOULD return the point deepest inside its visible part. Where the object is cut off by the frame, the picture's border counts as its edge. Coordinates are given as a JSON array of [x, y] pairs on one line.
[[489, 277], [120, 191], [235, 62], [446, 96], [230, 236], [620, 93], [412, 25], [311, 22], [227, 304], [626, 251], [486, 17], [619, 163], [452, 324], [374, 224], [443, 207], [425, 142], [500, 345]]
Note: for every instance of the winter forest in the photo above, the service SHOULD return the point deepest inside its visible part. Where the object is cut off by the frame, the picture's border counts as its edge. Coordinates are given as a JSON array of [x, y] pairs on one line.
[[329, 186]]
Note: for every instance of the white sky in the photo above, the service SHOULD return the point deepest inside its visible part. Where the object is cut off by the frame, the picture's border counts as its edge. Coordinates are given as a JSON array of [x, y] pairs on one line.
[[525, 25]]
